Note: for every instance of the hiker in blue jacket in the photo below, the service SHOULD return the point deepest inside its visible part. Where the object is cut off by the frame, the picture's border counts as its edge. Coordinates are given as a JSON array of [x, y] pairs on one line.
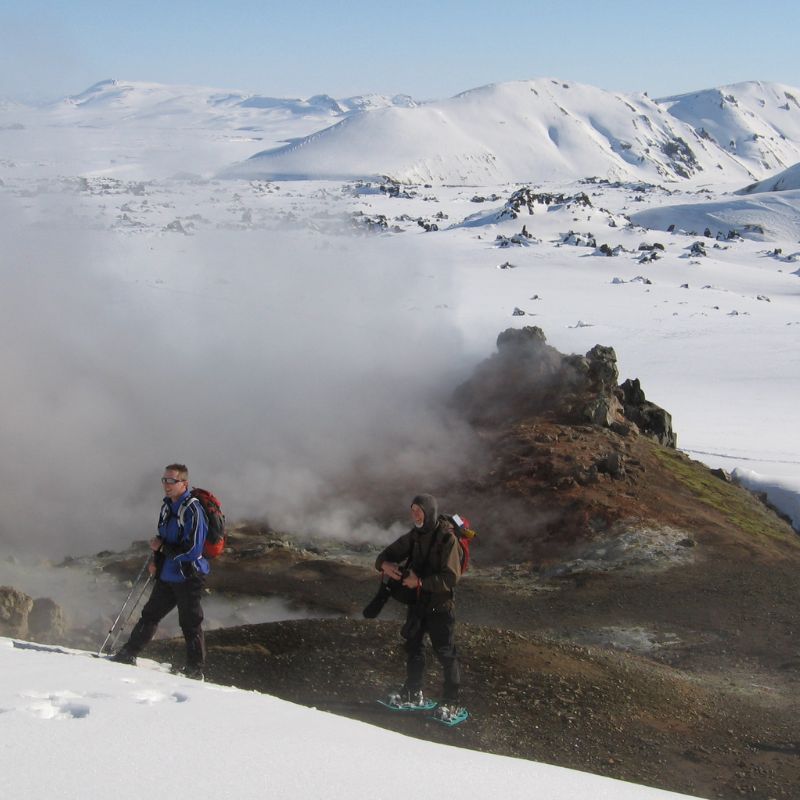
[[179, 570]]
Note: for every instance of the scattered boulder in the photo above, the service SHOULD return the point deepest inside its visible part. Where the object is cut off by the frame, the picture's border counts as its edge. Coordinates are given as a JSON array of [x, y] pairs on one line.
[[579, 239], [375, 224], [176, 226], [525, 199], [607, 250], [392, 188], [521, 239], [649, 257]]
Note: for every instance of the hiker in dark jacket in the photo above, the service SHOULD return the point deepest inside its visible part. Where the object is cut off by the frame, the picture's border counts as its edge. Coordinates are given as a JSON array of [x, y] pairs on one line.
[[179, 570], [432, 556]]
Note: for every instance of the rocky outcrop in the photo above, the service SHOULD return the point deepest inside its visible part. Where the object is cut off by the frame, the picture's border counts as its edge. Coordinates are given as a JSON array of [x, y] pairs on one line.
[[525, 377], [528, 378], [14, 609], [652, 420], [23, 617], [46, 619]]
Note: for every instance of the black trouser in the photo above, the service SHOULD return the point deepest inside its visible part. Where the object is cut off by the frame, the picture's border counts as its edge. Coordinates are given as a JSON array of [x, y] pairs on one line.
[[440, 624], [164, 597]]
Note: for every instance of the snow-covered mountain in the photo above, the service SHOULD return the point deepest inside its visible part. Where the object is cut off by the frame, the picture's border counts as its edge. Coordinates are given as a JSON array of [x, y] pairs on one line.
[[115, 102], [755, 123], [547, 130], [536, 131]]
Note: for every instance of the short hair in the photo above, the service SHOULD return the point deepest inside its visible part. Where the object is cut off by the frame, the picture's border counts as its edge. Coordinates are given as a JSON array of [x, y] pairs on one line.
[[181, 469]]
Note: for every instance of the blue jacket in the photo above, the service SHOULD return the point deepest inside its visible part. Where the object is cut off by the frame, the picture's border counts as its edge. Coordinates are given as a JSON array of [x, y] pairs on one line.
[[182, 551]]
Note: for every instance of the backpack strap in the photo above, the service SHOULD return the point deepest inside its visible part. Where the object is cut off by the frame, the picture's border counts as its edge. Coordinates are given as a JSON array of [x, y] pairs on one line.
[[165, 514], [184, 506]]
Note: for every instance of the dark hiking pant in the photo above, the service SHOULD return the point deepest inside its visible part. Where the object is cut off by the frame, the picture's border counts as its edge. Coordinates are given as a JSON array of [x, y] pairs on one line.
[[440, 625], [164, 597]]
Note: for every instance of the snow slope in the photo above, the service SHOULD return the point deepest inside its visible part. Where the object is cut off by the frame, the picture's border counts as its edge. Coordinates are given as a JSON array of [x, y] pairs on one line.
[[782, 182], [73, 726], [766, 217]]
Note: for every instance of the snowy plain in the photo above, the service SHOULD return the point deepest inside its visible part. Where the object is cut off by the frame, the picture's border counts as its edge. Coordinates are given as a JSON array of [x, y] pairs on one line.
[[307, 326], [77, 727]]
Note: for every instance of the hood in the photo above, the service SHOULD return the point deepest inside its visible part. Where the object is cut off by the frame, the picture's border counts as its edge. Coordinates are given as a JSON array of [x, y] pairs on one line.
[[427, 502]]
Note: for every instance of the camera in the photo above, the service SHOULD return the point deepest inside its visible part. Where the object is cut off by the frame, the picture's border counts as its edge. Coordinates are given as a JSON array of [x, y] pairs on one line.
[[389, 588]]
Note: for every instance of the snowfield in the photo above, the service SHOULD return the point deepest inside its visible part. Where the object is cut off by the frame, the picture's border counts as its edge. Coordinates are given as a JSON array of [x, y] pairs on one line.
[[74, 726]]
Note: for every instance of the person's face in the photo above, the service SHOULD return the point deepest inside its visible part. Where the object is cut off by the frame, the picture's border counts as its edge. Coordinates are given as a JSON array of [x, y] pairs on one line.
[[417, 515], [173, 485]]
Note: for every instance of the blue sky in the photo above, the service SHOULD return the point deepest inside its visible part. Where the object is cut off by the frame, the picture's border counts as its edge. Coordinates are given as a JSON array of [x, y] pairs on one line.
[[425, 49]]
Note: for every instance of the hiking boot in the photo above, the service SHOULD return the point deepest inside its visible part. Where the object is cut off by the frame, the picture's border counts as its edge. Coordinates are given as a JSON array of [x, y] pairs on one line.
[[124, 657], [194, 672]]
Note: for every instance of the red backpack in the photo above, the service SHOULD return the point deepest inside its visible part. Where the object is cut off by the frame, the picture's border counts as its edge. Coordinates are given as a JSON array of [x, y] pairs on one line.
[[459, 527], [215, 537]]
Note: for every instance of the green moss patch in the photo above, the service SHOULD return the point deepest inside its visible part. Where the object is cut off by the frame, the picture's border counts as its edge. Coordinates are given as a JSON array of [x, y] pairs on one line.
[[737, 505]]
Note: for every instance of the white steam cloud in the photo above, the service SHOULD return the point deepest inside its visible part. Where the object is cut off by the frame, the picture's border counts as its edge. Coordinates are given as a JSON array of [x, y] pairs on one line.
[[301, 377]]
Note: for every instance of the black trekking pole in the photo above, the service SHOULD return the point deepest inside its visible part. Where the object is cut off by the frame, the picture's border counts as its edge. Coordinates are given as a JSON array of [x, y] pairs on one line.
[[127, 600]]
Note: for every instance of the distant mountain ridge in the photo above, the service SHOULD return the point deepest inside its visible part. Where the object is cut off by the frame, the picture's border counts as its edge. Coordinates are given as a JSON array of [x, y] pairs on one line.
[[522, 131], [138, 100]]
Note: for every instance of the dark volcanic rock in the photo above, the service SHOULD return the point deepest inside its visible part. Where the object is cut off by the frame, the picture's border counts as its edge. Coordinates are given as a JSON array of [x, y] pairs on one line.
[[527, 377], [652, 420]]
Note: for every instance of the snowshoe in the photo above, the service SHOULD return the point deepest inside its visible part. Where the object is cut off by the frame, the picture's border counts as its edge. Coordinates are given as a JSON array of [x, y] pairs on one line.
[[408, 700], [450, 714]]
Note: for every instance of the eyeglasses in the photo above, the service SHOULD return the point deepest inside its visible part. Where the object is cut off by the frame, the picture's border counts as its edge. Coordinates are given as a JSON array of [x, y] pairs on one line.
[[172, 481]]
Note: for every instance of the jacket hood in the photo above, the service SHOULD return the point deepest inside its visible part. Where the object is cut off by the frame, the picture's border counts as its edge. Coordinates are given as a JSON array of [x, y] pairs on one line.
[[427, 502]]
